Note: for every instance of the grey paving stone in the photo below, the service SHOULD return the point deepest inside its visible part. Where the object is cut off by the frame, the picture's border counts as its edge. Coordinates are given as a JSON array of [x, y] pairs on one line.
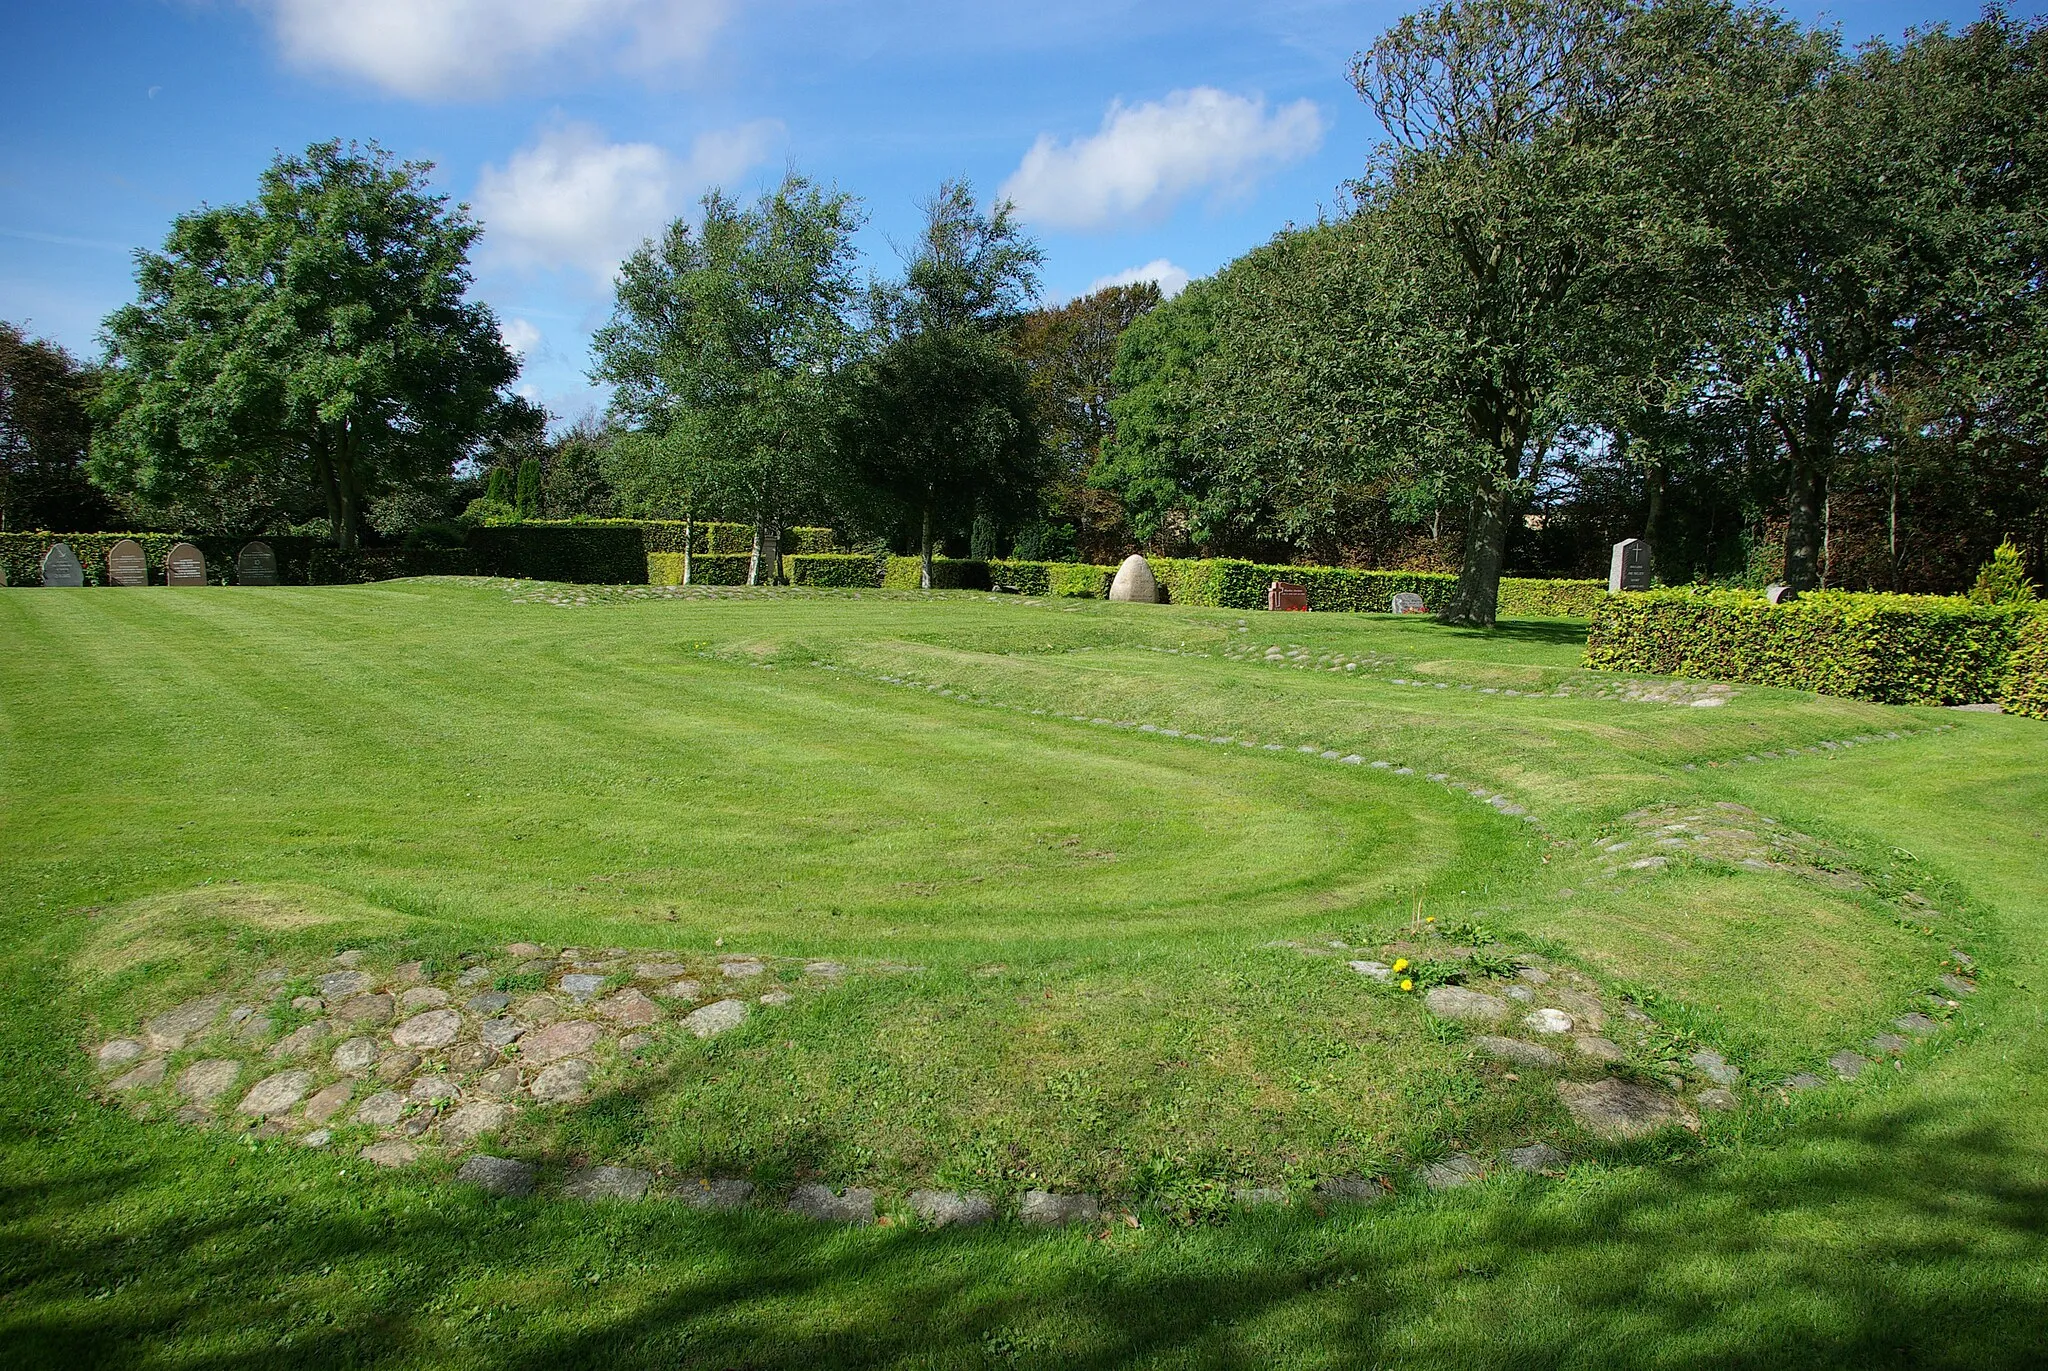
[[1716, 1098], [299, 1041], [707, 1193], [173, 1028], [1534, 1158], [819, 1202], [948, 1209], [1547, 1021], [325, 1103], [1848, 1065], [337, 985], [1468, 1006], [1715, 1067], [472, 1121], [1919, 1025], [1452, 1172], [716, 1017], [1043, 1209], [499, 1032], [276, 1094], [120, 1052], [559, 1040], [1350, 1190], [1890, 1043], [204, 1082], [1516, 1051], [356, 1055], [563, 1083], [1614, 1108], [1599, 1049], [607, 1183], [434, 1029], [382, 1110], [498, 1175], [422, 997], [580, 985]]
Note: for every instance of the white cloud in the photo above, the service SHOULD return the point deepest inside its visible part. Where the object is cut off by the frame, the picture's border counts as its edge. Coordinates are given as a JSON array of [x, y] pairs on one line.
[[1148, 158], [573, 199], [1170, 279], [520, 337], [436, 49]]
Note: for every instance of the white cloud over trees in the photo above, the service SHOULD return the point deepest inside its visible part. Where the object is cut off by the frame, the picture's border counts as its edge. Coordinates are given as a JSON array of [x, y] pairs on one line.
[[573, 200], [1146, 159]]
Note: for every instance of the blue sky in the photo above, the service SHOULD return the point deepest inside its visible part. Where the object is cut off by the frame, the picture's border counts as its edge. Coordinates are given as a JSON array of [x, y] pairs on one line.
[[1138, 138]]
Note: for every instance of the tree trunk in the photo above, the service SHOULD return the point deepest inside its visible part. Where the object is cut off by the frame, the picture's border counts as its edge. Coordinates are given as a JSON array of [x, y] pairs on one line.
[[924, 579], [767, 553], [1475, 600], [1803, 524], [345, 486], [689, 539], [323, 467]]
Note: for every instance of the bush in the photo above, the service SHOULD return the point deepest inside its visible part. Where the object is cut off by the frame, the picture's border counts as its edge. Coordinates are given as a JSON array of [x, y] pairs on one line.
[[1231, 584], [706, 568], [2003, 579], [1071, 580], [595, 553], [1522, 598], [2026, 674], [1893, 649], [948, 573], [847, 570], [332, 567]]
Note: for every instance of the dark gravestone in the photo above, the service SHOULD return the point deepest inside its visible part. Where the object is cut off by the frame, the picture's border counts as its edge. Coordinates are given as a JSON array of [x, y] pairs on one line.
[[1284, 595], [1630, 569], [256, 566], [1408, 602], [186, 566], [61, 568], [126, 566]]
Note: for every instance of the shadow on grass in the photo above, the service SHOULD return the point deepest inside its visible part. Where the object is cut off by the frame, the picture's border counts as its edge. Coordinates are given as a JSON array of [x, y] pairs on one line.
[[1899, 1238]]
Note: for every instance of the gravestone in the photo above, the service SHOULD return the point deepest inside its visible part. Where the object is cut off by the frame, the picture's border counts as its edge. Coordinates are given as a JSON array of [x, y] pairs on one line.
[[1286, 596], [186, 566], [1780, 594], [1135, 584], [61, 568], [1408, 602], [1630, 569], [256, 566], [126, 566]]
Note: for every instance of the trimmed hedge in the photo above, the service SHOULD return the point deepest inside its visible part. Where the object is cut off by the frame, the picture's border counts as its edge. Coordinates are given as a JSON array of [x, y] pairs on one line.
[[1228, 583], [332, 567], [2026, 673], [1526, 598], [611, 553], [1069, 580], [1892, 649], [845, 570], [706, 568], [948, 573]]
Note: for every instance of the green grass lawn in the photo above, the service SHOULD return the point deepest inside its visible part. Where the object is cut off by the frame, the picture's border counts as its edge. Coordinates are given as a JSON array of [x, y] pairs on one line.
[[1080, 955]]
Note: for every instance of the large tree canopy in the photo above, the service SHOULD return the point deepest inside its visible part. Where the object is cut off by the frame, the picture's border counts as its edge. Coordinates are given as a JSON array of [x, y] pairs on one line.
[[723, 349], [45, 431], [316, 340]]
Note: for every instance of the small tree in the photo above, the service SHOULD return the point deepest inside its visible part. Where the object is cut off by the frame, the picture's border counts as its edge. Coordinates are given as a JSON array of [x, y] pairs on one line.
[[317, 338], [2003, 579], [526, 495]]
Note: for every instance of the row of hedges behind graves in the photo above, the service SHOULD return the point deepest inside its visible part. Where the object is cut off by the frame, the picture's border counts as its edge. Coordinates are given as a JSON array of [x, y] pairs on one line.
[[2026, 674], [1892, 649]]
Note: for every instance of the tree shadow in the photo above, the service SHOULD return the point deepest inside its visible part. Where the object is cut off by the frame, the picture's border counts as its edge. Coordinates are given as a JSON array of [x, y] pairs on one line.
[[1901, 1237]]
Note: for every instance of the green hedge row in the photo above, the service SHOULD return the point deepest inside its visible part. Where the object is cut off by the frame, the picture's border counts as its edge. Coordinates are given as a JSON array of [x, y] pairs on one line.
[[1526, 598], [332, 567], [844, 570], [592, 553], [948, 573], [1069, 580], [666, 535], [1893, 649], [2026, 675], [706, 568]]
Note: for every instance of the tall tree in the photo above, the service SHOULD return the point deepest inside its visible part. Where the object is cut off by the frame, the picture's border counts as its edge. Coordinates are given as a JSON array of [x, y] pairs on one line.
[[723, 347], [1069, 353], [941, 421], [319, 336], [45, 431]]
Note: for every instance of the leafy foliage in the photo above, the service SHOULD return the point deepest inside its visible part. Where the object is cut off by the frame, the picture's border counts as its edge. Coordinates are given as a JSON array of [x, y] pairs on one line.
[[316, 342], [2003, 579], [45, 432], [1894, 649], [2026, 679]]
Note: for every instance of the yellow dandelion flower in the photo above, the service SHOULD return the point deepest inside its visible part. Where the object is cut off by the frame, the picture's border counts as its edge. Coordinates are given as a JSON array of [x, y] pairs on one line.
[[1400, 963], [1430, 920], [1407, 984]]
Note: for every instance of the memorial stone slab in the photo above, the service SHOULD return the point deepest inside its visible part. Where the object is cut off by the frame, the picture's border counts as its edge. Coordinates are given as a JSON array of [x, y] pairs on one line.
[[185, 566], [1630, 568], [1135, 583], [1408, 602], [61, 570], [256, 565], [1285, 596], [126, 566]]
